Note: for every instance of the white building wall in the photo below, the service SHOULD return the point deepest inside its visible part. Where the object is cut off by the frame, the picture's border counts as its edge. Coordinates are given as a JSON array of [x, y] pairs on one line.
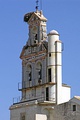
[[66, 94], [52, 94]]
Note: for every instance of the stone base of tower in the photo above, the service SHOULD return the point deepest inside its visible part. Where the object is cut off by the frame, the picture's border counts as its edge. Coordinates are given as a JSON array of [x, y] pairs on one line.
[[31, 111], [34, 111]]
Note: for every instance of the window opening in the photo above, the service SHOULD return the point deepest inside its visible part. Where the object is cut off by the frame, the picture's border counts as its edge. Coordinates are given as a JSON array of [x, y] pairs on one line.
[[30, 76], [49, 54], [47, 94], [74, 107], [39, 72], [36, 37], [40, 76], [49, 74], [29, 70]]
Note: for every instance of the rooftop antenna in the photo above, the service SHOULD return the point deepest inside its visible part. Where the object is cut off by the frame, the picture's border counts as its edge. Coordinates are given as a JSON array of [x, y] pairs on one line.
[[37, 5]]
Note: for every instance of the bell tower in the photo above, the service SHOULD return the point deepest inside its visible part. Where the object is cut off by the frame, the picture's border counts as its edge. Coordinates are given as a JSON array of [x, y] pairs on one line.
[[41, 86], [34, 58], [37, 27]]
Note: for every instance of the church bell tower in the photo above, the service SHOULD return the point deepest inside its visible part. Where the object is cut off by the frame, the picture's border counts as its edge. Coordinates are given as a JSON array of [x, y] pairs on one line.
[[41, 86]]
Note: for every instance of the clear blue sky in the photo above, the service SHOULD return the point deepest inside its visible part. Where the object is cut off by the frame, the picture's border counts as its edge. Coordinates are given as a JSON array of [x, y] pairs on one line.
[[63, 16]]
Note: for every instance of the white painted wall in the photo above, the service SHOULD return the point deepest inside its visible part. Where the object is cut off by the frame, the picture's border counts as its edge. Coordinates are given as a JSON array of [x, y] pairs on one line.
[[66, 94], [52, 93]]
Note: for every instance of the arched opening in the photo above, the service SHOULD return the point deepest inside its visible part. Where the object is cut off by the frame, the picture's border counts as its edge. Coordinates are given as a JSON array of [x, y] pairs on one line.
[[39, 69], [36, 37], [29, 70]]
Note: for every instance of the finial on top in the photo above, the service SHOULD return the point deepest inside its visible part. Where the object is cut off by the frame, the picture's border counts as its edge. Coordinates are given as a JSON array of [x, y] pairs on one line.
[[37, 5]]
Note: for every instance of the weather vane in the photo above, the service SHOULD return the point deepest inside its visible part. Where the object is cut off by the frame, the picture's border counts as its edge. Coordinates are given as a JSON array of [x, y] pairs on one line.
[[37, 5]]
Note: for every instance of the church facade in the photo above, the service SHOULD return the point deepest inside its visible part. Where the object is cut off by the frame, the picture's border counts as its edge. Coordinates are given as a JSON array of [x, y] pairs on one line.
[[41, 86]]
